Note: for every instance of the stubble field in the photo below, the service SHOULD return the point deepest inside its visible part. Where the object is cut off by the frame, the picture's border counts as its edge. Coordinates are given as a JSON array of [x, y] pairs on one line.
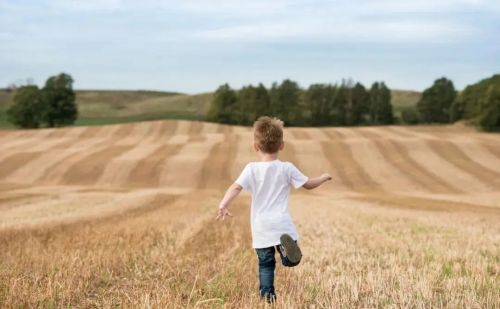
[[123, 215]]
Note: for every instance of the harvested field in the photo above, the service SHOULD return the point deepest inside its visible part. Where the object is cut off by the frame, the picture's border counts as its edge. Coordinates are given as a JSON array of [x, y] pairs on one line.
[[123, 215]]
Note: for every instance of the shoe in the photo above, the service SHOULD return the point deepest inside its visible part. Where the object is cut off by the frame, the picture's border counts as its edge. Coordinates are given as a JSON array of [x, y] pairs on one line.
[[270, 298], [290, 249]]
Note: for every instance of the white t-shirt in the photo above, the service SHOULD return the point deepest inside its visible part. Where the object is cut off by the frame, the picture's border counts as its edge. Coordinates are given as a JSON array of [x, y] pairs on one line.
[[269, 183]]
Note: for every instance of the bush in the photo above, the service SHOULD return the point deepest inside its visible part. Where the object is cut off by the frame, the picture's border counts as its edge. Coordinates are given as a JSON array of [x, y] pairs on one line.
[[409, 115]]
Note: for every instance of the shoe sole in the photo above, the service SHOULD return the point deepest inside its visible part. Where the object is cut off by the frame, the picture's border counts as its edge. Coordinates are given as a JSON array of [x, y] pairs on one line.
[[292, 250]]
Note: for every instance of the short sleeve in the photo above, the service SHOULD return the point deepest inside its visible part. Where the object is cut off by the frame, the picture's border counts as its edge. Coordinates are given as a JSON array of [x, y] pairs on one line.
[[297, 179], [245, 178]]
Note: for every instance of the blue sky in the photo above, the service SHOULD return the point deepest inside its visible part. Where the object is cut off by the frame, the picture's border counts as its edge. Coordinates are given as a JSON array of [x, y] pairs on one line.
[[194, 46]]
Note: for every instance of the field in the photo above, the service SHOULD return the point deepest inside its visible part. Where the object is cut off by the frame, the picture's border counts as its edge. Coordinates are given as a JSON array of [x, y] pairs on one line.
[[123, 216]]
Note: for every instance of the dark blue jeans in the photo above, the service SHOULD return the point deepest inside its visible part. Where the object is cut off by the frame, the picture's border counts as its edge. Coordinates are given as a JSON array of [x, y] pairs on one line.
[[267, 265]]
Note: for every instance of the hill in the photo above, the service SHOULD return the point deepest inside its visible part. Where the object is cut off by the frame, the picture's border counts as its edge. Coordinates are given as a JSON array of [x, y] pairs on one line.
[[97, 107], [123, 216]]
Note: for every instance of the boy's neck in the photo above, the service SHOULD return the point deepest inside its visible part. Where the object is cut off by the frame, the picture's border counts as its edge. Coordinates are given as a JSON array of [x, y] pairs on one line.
[[268, 156]]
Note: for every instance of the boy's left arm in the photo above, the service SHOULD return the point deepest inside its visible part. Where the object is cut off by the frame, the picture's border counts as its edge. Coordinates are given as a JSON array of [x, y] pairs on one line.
[[230, 195]]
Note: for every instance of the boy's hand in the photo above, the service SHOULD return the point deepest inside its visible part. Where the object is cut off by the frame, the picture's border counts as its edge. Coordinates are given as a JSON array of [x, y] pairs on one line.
[[326, 177], [222, 213]]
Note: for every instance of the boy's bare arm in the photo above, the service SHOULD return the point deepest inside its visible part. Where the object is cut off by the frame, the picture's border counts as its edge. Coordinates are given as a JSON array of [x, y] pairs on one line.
[[316, 182], [231, 193]]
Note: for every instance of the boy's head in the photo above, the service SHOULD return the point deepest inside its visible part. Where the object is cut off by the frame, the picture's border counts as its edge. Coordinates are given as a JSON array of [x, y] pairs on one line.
[[268, 134]]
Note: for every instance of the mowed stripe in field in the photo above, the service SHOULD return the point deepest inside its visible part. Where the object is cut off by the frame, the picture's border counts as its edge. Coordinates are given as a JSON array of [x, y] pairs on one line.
[[478, 153], [57, 158], [188, 155], [116, 172], [15, 161], [217, 168], [427, 204], [454, 155], [399, 158], [88, 170], [148, 170], [433, 175], [344, 166]]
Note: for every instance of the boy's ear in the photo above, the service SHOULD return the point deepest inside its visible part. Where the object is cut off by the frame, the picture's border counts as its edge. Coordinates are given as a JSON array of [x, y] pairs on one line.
[[256, 147], [282, 146]]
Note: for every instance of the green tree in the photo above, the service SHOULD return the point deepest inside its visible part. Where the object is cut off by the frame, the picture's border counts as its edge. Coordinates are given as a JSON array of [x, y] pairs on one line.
[[436, 101], [252, 103], [26, 112], [360, 105], [381, 107], [285, 99], [340, 105], [262, 101], [409, 115], [59, 98], [476, 103], [490, 117], [223, 108], [318, 99]]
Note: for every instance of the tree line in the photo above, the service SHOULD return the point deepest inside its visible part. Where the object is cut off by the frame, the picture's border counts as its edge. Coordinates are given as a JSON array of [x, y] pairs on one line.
[[351, 104], [53, 105], [478, 104], [344, 104], [347, 103]]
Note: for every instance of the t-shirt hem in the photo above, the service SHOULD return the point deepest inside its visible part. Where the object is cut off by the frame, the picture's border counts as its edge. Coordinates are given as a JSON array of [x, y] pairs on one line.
[[271, 244]]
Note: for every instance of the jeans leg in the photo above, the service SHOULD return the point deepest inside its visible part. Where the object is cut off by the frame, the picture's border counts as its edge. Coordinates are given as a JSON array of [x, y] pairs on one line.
[[267, 265]]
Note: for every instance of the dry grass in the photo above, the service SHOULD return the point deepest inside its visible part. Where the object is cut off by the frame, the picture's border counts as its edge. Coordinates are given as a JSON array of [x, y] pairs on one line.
[[133, 239]]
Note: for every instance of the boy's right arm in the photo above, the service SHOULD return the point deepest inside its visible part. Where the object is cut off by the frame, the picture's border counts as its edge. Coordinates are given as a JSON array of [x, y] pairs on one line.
[[231, 193], [316, 182]]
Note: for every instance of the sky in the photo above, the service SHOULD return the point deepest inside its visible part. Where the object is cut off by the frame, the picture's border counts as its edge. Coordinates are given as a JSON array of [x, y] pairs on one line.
[[194, 46]]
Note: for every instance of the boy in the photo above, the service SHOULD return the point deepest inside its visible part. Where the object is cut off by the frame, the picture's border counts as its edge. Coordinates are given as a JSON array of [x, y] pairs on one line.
[[269, 182]]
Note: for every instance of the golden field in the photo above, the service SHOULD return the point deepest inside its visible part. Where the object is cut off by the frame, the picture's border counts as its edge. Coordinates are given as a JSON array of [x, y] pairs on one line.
[[123, 216]]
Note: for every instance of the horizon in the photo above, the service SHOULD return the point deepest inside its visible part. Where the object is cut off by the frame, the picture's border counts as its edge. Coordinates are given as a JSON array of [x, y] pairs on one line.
[[193, 47]]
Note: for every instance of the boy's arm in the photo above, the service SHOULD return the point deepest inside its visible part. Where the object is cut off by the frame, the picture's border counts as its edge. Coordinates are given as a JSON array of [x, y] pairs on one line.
[[231, 193], [316, 182]]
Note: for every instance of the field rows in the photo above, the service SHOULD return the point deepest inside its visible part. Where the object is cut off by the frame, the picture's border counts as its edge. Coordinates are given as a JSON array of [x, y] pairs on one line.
[[122, 215], [149, 154]]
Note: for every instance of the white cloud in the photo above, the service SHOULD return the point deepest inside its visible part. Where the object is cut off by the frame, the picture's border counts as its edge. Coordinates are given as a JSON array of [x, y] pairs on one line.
[[341, 30]]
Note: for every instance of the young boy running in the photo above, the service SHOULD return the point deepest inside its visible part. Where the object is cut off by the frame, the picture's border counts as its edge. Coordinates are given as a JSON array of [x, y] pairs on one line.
[[269, 181]]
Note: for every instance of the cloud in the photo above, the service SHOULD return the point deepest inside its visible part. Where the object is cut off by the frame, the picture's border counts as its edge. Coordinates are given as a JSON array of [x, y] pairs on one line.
[[341, 30]]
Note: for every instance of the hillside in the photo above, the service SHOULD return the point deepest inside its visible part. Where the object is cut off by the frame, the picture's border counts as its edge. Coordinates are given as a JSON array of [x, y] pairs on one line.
[[98, 107], [123, 216]]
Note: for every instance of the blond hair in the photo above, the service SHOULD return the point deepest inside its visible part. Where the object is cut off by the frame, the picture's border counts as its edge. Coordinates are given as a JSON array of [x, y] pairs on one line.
[[268, 134]]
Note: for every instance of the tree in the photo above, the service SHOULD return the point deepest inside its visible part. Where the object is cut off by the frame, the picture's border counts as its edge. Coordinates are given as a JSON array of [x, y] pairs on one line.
[[409, 115], [318, 99], [285, 101], [490, 117], [262, 101], [223, 106], [26, 112], [476, 103], [252, 103], [340, 104], [360, 105], [435, 103], [59, 99], [380, 104]]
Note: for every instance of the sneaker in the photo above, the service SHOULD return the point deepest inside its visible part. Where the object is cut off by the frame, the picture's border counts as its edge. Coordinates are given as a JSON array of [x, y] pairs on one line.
[[290, 249], [270, 298]]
